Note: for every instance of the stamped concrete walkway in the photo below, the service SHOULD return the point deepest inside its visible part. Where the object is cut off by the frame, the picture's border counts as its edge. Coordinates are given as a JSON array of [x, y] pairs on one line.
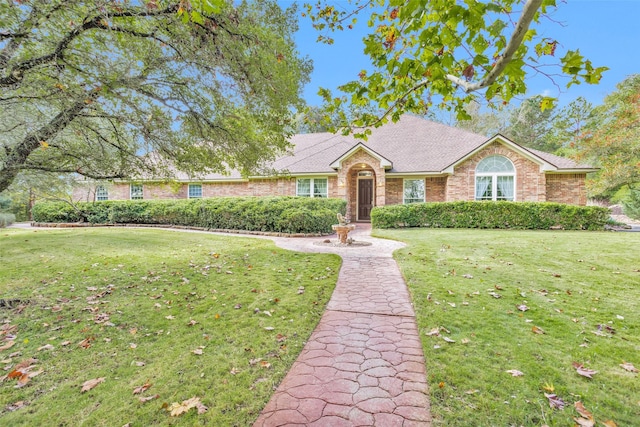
[[363, 365]]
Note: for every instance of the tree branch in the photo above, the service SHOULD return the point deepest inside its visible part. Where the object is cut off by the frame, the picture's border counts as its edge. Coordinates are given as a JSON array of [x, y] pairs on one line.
[[18, 155], [522, 26], [15, 73]]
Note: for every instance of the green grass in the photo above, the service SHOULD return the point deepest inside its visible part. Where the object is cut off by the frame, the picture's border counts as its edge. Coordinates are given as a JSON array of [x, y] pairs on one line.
[[132, 294], [571, 281]]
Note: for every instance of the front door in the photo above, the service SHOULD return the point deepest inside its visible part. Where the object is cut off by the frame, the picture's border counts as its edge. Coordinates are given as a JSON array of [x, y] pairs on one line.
[[365, 199]]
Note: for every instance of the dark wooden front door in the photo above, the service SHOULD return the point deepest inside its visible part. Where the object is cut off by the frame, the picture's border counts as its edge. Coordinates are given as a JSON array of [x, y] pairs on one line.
[[365, 199]]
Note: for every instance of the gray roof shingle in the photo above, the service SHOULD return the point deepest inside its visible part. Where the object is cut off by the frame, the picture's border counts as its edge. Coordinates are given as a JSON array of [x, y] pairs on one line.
[[413, 145]]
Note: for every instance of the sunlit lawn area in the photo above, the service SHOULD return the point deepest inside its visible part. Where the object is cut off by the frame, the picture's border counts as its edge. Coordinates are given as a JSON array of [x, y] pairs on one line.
[[170, 315], [494, 292]]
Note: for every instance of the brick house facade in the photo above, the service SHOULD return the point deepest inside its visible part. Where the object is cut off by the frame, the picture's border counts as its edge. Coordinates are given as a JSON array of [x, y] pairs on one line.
[[414, 160]]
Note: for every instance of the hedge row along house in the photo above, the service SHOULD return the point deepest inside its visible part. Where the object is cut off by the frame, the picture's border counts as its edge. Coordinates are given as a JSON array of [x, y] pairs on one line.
[[413, 160]]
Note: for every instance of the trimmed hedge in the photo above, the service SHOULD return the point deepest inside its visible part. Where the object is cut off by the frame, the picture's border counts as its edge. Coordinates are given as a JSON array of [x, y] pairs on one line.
[[266, 214], [514, 215]]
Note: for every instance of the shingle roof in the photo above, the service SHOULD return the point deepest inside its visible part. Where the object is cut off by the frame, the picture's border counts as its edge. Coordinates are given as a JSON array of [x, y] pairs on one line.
[[413, 145]]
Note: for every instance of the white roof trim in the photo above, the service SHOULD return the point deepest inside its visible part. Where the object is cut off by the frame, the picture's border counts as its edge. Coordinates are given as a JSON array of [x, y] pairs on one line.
[[384, 163], [544, 165]]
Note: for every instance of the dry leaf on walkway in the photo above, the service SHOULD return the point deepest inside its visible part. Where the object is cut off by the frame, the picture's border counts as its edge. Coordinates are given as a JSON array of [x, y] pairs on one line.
[[555, 402], [515, 373], [88, 385], [585, 372], [629, 367]]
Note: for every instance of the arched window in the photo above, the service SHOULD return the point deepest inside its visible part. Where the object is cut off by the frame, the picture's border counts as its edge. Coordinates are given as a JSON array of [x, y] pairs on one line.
[[495, 179]]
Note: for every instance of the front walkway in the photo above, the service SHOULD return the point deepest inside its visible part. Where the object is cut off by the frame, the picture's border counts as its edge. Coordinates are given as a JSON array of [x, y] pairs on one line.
[[363, 365]]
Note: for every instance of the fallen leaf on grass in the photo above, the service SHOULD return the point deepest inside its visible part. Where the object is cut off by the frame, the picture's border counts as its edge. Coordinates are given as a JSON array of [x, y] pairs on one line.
[[142, 388], [433, 332], [548, 387], [281, 338], [178, 409], [15, 406], [629, 367], [515, 373], [8, 345], [555, 402], [192, 322], [88, 385], [140, 364], [170, 317], [148, 398], [537, 330], [472, 391], [86, 343], [447, 339], [582, 410], [65, 343], [46, 347], [522, 307], [584, 422], [467, 276], [495, 295], [609, 423], [585, 372], [265, 364]]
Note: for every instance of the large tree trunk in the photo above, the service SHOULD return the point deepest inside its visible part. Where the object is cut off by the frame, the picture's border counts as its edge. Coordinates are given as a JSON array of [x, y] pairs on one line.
[[17, 156]]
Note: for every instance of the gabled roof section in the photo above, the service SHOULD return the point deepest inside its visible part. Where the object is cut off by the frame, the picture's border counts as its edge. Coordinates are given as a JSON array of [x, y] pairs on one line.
[[384, 162], [548, 162]]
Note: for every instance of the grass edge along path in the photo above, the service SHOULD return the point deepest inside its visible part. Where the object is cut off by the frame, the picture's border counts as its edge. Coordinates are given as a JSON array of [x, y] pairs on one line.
[[553, 306], [191, 324]]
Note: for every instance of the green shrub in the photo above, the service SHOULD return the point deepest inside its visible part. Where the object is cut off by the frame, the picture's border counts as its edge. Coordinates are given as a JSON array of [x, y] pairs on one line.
[[268, 214], [6, 219], [505, 215]]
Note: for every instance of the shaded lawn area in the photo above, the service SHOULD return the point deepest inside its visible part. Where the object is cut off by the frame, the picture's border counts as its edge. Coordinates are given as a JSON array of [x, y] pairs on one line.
[[582, 289], [180, 315]]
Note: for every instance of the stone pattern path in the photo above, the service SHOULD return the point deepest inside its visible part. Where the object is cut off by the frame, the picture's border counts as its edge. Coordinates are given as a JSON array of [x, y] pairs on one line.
[[363, 365]]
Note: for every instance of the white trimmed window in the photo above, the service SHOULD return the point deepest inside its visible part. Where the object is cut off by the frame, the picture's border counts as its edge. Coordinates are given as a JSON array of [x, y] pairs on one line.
[[312, 187], [413, 191], [102, 193], [195, 191], [495, 179], [136, 192]]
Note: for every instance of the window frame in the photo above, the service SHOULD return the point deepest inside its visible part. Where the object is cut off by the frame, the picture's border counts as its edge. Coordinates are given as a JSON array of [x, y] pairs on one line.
[[493, 181], [131, 196], [312, 187], [189, 186], [105, 193], [404, 191]]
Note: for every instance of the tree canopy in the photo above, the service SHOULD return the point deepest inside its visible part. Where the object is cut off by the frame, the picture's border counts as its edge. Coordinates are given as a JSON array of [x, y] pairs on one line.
[[447, 53], [93, 87], [611, 138]]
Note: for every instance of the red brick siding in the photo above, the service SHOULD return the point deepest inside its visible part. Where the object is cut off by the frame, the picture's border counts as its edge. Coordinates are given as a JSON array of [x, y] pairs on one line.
[[567, 188], [394, 191], [530, 182], [436, 189]]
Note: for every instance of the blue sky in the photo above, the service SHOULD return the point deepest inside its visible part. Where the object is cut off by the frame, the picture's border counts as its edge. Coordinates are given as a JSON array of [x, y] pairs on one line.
[[605, 31]]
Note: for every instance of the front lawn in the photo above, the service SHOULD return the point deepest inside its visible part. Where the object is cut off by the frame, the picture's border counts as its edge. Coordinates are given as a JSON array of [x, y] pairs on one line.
[[155, 318], [489, 302]]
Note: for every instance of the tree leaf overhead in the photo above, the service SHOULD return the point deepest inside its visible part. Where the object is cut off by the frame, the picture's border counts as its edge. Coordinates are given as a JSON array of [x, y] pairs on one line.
[[94, 87]]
